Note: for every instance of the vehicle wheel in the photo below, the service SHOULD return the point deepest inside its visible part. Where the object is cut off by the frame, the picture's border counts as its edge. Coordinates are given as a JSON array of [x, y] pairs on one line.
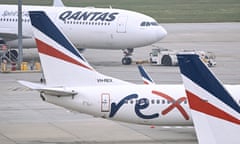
[[166, 60], [126, 61], [150, 60]]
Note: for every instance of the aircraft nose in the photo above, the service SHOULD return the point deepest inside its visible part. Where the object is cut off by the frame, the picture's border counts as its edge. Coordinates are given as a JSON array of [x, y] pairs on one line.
[[161, 33]]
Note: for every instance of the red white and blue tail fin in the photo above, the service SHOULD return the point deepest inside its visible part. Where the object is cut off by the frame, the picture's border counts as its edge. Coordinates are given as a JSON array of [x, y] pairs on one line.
[[216, 115], [62, 63], [145, 76]]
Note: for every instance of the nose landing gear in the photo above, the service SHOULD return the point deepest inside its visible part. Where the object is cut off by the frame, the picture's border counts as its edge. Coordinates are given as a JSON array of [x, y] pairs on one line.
[[127, 60]]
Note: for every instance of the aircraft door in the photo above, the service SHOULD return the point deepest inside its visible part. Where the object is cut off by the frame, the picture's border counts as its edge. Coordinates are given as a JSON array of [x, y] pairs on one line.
[[121, 24], [105, 102]]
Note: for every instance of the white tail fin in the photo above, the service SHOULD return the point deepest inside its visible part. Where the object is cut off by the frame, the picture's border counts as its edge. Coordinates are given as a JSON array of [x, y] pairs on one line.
[[216, 115], [62, 64], [58, 3]]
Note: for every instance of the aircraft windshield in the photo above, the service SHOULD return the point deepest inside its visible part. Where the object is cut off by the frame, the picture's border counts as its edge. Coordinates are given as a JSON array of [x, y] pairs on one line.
[[146, 24]]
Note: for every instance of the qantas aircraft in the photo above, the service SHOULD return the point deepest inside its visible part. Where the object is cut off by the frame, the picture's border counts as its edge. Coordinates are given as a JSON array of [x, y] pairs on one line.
[[74, 84], [215, 114], [86, 27]]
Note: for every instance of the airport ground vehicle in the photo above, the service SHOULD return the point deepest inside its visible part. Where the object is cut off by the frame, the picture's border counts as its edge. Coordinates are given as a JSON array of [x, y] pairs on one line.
[[167, 57]]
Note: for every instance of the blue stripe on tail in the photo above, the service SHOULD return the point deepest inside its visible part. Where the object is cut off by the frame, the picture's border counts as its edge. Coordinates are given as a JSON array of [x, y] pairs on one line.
[[144, 74], [42, 22], [193, 68]]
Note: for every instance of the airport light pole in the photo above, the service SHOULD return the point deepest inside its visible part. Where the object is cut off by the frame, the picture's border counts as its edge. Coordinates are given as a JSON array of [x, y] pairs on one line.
[[20, 51]]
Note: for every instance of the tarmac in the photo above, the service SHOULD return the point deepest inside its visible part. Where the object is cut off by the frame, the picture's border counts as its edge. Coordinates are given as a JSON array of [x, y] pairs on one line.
[[26, 119]]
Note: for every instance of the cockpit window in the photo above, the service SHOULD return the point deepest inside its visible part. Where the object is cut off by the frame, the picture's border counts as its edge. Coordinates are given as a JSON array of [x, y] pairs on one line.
[[146, 24], [143, 23], [154, 24]]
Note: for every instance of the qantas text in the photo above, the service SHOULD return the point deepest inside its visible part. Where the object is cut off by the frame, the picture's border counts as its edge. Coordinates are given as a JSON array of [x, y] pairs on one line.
[[88, 16]]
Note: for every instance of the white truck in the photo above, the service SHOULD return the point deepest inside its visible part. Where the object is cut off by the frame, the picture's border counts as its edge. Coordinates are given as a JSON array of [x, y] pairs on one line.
[[167, 57]]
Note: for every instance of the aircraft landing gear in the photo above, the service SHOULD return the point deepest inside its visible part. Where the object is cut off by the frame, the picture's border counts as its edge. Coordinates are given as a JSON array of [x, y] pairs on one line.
[[127, 60]]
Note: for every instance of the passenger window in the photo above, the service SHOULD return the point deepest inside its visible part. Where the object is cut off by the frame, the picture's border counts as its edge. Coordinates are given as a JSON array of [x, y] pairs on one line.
[[137, 101], [163, 101], [153, 101], [185, 102]]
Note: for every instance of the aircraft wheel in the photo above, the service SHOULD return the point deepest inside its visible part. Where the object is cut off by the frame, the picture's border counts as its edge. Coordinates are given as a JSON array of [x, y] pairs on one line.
[[12, 55], [126, 61]]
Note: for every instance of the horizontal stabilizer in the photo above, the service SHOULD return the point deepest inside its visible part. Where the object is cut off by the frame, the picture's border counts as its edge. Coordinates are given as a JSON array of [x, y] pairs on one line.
[[8, 34], [53, 91], [33, 86], [58, 92]]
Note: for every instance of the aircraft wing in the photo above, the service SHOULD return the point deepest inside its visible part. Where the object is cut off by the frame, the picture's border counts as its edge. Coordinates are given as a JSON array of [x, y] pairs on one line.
[[53, 91], [7, 34]]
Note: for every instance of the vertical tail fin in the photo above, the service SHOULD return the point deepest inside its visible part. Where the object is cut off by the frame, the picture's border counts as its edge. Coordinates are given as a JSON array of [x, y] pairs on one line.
[[62, 63], [58, 3], [216, 115], [145, 76]]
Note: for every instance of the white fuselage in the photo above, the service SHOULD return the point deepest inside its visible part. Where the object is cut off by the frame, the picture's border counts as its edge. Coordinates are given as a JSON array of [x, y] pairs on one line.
[[96, 28], [141, 104]]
